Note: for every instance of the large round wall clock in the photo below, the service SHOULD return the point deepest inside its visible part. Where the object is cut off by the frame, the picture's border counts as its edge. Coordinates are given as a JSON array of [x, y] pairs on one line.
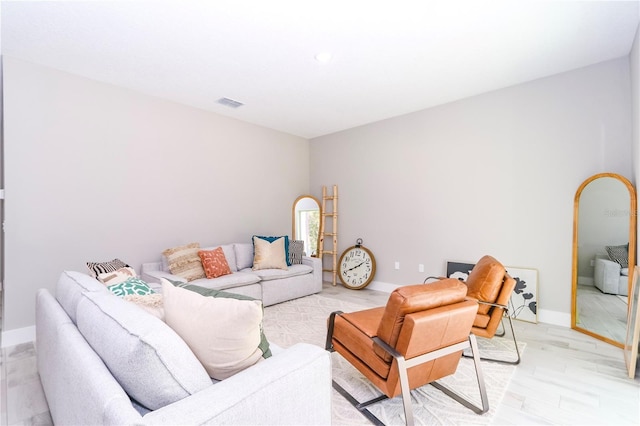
[[357, 266]]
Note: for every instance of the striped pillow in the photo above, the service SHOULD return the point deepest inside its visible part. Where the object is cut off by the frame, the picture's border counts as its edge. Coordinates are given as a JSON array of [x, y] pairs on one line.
[[296, 250], [97, 268]]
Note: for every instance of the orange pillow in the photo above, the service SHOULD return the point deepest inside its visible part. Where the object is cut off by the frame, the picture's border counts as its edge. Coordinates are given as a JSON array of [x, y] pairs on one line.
[[214, 263]]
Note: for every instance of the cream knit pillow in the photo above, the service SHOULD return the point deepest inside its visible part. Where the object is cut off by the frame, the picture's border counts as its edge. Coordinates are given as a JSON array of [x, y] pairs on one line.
[[185, 262]]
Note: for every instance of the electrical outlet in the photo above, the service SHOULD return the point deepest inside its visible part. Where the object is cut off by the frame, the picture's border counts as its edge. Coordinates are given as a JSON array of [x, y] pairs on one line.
[[397, 266], [421, 268]]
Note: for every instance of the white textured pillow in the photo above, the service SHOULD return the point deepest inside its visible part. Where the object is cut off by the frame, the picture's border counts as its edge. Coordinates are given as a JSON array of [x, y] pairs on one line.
[[224, 334], [151, 303], [269, 255]]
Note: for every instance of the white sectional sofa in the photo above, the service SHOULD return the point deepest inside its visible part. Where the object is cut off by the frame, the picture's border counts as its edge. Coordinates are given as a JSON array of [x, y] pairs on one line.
[[269, 285], [104, 361]]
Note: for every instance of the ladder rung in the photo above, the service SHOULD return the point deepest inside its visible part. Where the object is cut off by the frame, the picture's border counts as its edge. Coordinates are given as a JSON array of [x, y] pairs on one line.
[[330, 197], [327, 270], [329, 234], [329, 214], [324, 253]]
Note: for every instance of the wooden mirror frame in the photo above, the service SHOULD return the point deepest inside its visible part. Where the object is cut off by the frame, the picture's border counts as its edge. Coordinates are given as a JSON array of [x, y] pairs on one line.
[[293, 219], [632, 248]]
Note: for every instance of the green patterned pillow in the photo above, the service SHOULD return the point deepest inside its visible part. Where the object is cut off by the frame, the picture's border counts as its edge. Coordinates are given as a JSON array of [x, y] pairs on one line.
[[133, 285]]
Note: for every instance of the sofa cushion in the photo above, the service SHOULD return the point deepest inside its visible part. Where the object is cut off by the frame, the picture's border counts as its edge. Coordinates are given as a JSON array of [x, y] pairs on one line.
[[70, 287], [223, 333], [184, 261], [276, 274], [244, 255], [97, 268], [133, 285], [269, 254], [149, 360], [237, 279], [214, 263]]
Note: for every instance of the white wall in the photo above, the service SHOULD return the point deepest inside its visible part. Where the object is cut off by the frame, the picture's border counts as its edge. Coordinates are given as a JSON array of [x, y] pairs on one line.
[[493, 174], [94, 172]]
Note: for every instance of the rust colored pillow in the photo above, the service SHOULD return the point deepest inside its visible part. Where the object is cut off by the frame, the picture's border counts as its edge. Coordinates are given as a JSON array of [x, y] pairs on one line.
[[214, 263]]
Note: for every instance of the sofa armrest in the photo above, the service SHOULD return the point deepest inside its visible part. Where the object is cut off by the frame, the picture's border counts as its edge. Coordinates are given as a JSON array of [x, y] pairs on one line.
[[316, 264], [300, 376], [606, 275]]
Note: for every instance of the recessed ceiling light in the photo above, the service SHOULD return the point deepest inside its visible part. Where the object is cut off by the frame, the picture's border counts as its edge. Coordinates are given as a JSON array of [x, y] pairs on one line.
[[323, 57]]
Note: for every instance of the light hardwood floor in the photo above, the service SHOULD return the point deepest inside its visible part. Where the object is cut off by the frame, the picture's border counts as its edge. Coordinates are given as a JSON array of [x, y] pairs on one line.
[[565, 378], [604, 314]]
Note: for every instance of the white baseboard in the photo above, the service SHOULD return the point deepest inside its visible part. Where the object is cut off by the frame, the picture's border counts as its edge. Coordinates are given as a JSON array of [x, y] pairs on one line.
[[554, 317], [18, 336], [586, 281], [384, 287]]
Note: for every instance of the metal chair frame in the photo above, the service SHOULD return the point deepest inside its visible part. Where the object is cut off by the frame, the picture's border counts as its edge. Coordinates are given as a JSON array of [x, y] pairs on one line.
[[505, 313], [403, 365], [513, 334]]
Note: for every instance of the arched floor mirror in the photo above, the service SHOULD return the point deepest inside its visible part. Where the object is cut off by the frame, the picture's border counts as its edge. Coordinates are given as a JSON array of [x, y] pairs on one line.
[[306, 212], [604, 251]]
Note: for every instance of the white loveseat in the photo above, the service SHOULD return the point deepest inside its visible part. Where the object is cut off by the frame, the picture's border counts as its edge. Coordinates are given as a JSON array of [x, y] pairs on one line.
[[104, 361], [269, 285], [609, 277]]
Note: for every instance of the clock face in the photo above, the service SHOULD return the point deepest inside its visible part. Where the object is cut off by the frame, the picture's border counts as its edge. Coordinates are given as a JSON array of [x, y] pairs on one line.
[[357, 267]]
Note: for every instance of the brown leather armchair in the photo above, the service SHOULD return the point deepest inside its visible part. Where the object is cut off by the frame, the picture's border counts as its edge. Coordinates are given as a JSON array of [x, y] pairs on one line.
[[491, 285], [416, 339]]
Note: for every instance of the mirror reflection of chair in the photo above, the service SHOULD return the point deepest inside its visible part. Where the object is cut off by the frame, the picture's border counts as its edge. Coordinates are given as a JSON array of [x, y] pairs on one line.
[[416, 339], [490, 284]]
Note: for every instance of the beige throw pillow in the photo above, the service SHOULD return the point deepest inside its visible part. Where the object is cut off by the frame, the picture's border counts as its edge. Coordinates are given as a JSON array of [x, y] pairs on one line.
[[224, 334], [185, 262], [117, 277], [269, 255]]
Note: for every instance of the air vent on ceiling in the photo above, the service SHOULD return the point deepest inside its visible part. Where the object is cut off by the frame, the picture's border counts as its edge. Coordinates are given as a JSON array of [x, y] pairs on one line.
[[230, 103]]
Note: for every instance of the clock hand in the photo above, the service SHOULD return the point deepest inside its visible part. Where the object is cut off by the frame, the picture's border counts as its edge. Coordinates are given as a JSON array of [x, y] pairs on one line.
[[350, 269]]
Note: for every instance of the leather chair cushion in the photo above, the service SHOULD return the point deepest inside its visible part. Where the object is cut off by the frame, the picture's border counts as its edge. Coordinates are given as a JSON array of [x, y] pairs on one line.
[[485, 281], [354, 332], [481, 320], [409, 299]]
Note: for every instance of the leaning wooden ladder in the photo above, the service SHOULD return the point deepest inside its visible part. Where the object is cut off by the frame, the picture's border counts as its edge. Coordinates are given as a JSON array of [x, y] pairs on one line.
[[332, 233]]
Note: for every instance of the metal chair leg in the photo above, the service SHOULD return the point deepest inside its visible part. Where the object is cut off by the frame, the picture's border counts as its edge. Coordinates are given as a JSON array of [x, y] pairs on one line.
[[484, 400], [328, 345], [403, 365], [515, 342]]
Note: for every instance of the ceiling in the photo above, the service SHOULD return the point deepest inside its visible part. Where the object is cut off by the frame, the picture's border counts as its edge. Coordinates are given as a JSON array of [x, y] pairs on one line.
[[388, 58]]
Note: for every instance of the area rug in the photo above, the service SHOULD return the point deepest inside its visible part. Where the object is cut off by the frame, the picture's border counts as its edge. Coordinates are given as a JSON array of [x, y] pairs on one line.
[[305, 319]]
